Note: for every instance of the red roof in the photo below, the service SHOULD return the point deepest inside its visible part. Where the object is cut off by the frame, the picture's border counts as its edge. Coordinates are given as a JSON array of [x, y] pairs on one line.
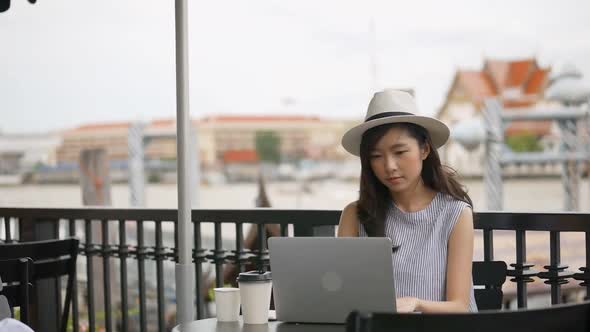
[[103, 126], [163, 123], [497, 71], [261, 118], [519, 72], [240, 156], [538, 81], [497, 78], [477, 85]]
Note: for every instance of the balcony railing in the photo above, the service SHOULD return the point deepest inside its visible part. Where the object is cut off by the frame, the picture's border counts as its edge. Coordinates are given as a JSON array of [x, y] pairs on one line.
[[134, 240]]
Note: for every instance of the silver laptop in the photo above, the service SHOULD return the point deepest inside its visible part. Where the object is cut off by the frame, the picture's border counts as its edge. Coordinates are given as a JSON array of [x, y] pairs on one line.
[[323, 279]]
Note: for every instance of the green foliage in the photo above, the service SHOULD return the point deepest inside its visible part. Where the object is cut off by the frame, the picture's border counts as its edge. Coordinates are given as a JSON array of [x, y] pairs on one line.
[[268, 145], [154, 178], [524, 143]]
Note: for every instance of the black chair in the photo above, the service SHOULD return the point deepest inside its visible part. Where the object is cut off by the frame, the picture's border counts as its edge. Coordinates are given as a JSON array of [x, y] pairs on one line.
[[562, 318], [51, 259], [492, 275], [15, 287]]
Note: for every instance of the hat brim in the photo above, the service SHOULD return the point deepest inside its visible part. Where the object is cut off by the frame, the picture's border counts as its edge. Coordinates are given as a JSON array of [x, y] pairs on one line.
[[439, 132]]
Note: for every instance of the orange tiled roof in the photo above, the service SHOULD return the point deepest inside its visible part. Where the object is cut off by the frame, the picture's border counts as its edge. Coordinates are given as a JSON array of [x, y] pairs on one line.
[[223, 118], [103, 126], [122, 125], [525, 102], [498, 71], [261, 118], [510, 74], [240, 156], [537, 82], [163, 123], [478, 85], [519, 72], [496, 76]]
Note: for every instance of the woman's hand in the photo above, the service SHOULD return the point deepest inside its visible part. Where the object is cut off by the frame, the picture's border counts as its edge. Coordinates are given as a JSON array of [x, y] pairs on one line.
[[407, 304]]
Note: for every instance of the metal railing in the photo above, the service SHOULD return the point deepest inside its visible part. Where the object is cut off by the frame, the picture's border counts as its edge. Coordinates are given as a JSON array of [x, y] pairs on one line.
[[140, 236]]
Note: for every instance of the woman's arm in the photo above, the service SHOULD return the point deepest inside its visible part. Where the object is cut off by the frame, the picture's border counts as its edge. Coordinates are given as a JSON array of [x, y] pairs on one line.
[[349, 223], [459, 279]]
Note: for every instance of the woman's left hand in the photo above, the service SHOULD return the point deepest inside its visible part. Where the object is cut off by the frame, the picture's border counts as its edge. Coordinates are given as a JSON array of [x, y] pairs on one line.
[[407, 304]]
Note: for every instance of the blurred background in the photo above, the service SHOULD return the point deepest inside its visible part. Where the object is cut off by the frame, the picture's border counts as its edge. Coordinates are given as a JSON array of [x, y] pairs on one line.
[[273, 86]]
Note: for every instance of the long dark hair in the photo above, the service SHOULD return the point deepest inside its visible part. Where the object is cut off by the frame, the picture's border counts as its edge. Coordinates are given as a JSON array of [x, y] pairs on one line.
[[374, 197]]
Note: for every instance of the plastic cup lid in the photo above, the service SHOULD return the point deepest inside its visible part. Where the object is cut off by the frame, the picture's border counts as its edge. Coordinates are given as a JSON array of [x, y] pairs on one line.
[[226, 289], [253, 276]]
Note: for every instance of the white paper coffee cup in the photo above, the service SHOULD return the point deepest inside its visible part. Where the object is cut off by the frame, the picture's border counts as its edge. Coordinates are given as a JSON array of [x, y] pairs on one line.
[[227, 304], [255, 292]]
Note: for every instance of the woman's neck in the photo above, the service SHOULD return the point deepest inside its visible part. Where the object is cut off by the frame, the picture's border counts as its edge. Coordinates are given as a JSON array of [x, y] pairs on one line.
[[414, 199]]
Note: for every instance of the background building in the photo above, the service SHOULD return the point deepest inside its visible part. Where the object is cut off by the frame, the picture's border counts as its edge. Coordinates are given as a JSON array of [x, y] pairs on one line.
[[225, 143], [20, 154], [519, 84]]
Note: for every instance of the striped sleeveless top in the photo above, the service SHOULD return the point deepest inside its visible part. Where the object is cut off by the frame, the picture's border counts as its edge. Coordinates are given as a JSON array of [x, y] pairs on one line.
[[420, 263]]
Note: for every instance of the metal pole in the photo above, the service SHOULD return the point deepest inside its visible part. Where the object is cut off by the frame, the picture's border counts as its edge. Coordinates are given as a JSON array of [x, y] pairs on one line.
[[570, 172], [185, 309], [494, 140], [136, 172], [195, 166], [565, 113], [586, 120], [575, 164]]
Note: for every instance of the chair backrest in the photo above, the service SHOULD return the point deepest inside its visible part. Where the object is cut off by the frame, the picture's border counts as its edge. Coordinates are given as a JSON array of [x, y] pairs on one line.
[[562, 318], [492, 275], [15, 286], [51, 259]]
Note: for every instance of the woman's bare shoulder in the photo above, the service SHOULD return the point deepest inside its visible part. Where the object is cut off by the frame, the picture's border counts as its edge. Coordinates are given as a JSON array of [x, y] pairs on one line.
[[351, 207], [349, 223]]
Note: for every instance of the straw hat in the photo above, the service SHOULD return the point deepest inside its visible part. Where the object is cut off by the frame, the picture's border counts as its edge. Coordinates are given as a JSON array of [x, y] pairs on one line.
[[393, 106]]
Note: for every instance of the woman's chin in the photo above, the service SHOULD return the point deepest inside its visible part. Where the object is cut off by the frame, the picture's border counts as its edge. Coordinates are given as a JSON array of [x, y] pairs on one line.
[[397, 188]]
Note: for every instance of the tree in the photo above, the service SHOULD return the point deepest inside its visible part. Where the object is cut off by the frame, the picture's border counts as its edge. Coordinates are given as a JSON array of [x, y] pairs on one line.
[[524, 143], [268, 146]]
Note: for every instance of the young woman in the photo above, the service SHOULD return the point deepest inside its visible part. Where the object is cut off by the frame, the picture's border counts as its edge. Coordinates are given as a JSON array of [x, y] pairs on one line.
[[408, 196]]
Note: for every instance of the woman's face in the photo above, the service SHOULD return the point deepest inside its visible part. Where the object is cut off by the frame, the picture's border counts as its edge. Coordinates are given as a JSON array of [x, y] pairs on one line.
[[396, 160]]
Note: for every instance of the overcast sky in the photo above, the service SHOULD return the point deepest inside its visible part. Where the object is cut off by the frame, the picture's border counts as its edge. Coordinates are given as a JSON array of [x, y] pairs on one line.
[[68, 62]]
